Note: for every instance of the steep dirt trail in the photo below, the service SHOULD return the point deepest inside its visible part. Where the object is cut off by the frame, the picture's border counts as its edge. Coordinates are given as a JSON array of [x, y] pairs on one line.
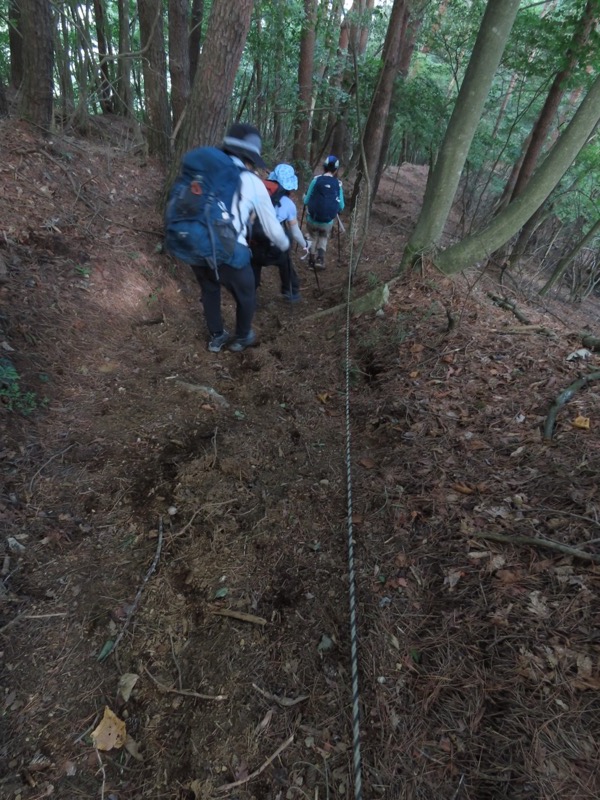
[[479, 662]]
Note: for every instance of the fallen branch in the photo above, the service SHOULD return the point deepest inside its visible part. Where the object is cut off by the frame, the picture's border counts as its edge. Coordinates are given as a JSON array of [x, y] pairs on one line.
[[138, 596], [508, 305], [372, 301], [184, 692], [285, 702], [563, 398], [241, 615], [24, 615], [207, 391], [527, 330], [550, 544], [591, 342], [228, 786]]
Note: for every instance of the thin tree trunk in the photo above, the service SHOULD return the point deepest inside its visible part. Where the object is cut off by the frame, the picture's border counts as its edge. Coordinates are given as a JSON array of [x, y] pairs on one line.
[[441, 188], [504, 226], [305, 69], [195, 36], [564, 262], [123, 99], [15, 39], [179, 55], [106, 103], [154, 67], [544, 121]]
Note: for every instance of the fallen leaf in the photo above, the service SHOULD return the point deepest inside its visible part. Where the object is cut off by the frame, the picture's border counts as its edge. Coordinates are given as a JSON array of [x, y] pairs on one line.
[[133, 748], [111, 732], [323, 397], [462, 488], [452, 578], [325, 644], [367, 462], [126, 683], [581, 422]]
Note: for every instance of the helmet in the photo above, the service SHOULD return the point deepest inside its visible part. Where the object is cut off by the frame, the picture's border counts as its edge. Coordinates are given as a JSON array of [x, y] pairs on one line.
[[331, 163]]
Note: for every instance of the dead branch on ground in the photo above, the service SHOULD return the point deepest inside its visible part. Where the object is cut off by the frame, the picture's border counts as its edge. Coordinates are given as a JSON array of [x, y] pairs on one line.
[[549, 544], [563, 398]]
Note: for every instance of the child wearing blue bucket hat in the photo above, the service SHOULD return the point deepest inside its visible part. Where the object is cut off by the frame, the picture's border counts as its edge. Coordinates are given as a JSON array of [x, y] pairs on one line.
[[280, 183]]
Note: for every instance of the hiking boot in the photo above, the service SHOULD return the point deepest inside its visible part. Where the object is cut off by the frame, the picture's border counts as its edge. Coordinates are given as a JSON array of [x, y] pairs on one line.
[[241, 343], [292, 297], [311, 261], [217, 341], [320, 262]]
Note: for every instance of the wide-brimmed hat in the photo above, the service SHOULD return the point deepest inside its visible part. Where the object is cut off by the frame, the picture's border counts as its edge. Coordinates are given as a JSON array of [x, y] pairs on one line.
[[243, 140], [331, 163], [285, 176]]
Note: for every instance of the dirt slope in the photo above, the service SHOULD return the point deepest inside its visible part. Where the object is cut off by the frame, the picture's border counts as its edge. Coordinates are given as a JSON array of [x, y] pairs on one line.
[[151, 486]]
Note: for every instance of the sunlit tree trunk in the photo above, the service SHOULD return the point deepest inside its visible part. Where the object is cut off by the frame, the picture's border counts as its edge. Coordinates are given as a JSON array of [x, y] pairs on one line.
[[37, 27], [506, 224], [154, 67], [179, 55], [443, 182], [63, 66], [305, 85]]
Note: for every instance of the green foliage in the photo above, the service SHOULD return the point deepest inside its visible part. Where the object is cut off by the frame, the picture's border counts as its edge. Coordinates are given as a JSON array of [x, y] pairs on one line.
[[12, 395]]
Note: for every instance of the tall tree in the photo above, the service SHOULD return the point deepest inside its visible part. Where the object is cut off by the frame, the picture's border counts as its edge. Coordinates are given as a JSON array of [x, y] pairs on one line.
[[504, 226], [123, 94], [15, 39], [154, 67], [568, 259], [195, 36], [179, 57], [441, 188], [209, 106], [37, 28], [556, 92], [104, 50], [305, 84]]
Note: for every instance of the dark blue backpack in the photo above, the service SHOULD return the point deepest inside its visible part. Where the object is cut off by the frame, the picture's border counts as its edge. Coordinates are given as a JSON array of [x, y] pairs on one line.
[[324, 200], [198, 220]]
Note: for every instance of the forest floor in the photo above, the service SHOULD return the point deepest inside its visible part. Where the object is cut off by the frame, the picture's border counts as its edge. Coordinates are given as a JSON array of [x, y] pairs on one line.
[[191, 508]]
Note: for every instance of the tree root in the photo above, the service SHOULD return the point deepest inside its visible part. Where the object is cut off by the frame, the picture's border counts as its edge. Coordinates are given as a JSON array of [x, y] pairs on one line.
[[563, 398], [550, 544], [503, 302]]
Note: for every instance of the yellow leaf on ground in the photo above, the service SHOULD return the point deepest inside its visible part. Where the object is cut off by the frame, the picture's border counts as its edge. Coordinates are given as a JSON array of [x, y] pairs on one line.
[[581, 422], [110, 732]]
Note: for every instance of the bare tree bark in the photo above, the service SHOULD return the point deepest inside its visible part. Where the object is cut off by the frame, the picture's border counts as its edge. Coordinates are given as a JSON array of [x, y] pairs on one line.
[[38, 62], [179, 57], [564, 262], [305, 85], [154, 66], [15, 39], [123, 93], [195, 36], [209, 106], [104, 50]]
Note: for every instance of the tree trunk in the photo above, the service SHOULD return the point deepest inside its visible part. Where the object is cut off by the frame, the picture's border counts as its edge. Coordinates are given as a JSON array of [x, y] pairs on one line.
[[491, 40], [15, 39], [179, 57], [475, 248], [305, 86], [123, 95], [539, 134], [564, 262], [38, 62], [64, 67], [106, 103], [3, 101], [208, 109], [154, 68], [195, 36]]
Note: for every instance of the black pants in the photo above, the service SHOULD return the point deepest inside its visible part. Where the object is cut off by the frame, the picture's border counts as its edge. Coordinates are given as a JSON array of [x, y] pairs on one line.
[[239, 283], [266, 256]]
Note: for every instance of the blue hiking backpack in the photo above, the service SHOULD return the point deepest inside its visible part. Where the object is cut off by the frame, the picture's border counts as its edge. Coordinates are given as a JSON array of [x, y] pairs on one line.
[[324, 200], [198, 220]]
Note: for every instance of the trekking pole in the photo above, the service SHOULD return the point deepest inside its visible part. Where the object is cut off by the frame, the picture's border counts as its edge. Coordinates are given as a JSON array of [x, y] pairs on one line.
[[339, 247]]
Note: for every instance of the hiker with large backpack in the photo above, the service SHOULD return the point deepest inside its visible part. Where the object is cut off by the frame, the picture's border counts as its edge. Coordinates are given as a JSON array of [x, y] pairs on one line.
[[324, 200], [206, 221], [279, 184]]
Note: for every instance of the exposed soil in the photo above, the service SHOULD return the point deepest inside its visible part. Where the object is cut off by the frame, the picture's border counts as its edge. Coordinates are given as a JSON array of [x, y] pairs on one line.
[[151, 486]]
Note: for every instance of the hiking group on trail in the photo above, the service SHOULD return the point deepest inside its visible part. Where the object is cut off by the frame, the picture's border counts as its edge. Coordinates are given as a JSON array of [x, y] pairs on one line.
[[227, 223]]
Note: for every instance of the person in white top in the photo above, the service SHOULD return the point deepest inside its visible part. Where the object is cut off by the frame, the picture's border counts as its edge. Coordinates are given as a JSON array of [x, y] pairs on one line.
[[243, 144], [281, 182]]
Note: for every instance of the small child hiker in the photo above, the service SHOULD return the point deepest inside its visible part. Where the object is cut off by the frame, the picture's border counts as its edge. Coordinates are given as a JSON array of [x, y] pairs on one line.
[[324, 200], [280, 183]]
